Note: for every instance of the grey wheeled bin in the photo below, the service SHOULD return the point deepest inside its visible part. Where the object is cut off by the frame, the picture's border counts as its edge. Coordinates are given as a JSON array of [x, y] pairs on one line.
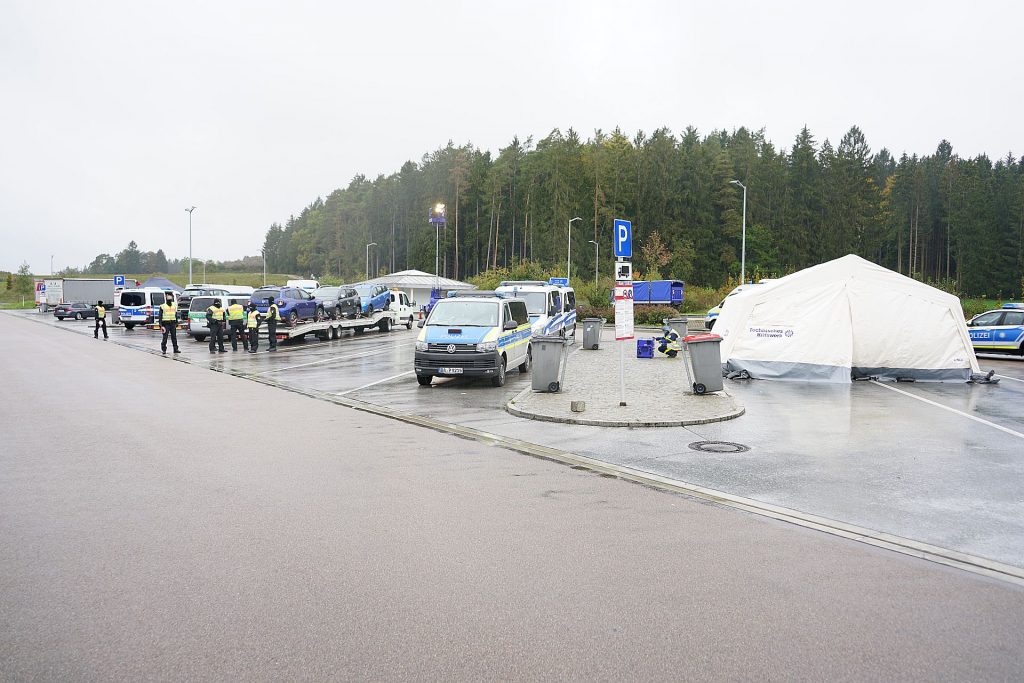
[[679, 325], [548, 371], [705, 362], [592, 333]]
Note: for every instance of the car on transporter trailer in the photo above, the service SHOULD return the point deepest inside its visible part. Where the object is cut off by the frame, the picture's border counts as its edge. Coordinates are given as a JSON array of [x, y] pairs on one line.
[[293, 304]]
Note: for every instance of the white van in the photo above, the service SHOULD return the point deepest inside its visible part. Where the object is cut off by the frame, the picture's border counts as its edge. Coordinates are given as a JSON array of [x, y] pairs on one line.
[[552, 307], [197, 325], [404, 309], [140, 306], [308, 285]]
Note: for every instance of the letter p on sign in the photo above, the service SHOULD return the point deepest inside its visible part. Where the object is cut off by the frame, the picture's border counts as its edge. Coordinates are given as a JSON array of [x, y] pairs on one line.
[[623, 238]]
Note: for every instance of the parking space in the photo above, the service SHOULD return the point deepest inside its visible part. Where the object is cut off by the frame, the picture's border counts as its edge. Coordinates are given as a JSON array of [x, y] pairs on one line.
[[937, 463]]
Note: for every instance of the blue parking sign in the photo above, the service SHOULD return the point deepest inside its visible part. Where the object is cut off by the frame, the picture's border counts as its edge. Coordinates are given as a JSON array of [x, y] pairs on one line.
[[119, 280], [623, 238]]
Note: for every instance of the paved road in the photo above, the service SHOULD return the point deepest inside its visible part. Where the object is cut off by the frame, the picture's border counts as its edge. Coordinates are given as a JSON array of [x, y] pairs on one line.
[[291, 538]]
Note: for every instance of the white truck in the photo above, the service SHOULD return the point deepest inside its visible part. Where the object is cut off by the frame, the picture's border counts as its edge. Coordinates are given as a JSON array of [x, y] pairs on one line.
[[68, 290], [403, 308]]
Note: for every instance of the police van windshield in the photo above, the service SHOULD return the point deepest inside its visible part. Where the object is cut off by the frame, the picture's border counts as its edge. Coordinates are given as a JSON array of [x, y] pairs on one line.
[[536, 302], [133, 299], [464, 314]]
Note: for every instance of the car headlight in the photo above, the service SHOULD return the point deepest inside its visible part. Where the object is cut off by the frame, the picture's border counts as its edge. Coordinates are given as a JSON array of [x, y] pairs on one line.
[[421, 346], [487, 346]]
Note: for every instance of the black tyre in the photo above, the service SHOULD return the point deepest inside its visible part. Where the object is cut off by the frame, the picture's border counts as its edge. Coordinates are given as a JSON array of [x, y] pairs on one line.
[[358, 330], [78, 316], [320, 314], [408, 325], [499, 379], [129, 326], [335, 333], [525, 366], [711, 323], [200, 338], [369, 310], [699, 389], [60, 317], [293, 318], [337, 315], [554, 387], [384, 325], [424, 380]]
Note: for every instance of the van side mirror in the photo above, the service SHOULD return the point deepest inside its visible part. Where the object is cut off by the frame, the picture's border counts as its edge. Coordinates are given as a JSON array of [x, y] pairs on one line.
[[553, 312], [420, 323], [510, 325]]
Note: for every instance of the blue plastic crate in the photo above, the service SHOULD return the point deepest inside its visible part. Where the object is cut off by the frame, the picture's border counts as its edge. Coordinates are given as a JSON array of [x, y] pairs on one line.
[[645, 348]]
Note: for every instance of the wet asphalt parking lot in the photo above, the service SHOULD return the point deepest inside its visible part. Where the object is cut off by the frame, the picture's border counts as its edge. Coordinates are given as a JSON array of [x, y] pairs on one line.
[[942, 464]]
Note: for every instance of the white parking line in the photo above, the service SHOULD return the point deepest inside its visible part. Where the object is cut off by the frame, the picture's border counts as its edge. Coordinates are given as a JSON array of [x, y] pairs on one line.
[[334, 359], [1015, 379], [380, 381], [952, 410]]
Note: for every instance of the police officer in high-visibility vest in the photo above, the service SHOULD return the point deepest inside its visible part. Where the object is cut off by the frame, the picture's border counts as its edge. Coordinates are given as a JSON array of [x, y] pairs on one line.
[[668, 343], [215, 321], [252, 324], [101, 321], [236, 325], [273, 315], [169, 324]]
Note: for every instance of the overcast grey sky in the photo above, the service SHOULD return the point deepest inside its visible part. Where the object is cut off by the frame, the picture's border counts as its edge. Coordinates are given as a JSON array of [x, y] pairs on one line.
[[117, 115]]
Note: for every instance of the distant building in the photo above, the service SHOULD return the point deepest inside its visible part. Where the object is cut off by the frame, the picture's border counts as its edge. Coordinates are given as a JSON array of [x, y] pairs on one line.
[[418, 284]]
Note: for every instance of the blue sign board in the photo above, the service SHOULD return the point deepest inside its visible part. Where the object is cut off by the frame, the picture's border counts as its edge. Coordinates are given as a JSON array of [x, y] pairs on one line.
[[623, 238], [560, 281], [119, 280]]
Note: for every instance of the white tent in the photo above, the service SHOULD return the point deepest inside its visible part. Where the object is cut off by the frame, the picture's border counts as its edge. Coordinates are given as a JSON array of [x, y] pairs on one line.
[[844, 319], [418, 284]]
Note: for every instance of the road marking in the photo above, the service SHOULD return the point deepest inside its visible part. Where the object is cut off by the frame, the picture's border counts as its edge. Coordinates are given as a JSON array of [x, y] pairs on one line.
[[334, 359], [952, 410], [380, 381], [1015, 379]]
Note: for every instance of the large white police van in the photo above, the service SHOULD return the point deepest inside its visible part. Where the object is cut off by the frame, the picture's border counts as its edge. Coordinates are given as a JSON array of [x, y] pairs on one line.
[[140, 306], [474, 334], [551, 305]]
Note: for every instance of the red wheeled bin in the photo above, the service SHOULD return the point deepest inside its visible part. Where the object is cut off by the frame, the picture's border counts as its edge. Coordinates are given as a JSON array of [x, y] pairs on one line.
[[705, 362]]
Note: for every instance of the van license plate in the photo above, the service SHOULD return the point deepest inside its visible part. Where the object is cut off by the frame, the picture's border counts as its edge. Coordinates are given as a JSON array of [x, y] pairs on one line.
[[450, 371]]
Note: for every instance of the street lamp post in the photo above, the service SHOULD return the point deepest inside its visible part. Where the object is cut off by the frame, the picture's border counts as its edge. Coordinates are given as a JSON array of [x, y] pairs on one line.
[[371, 244], [264, 250], [51, 264], [437, 218], [597, 251], [568, 258], [190, 210], [743, 245]]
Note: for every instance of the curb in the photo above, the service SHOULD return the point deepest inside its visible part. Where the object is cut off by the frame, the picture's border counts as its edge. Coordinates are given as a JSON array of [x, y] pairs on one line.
[[588, 422]]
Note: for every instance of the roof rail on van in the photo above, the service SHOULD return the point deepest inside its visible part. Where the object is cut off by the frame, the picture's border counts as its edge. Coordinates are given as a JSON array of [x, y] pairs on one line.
[[513, 283]]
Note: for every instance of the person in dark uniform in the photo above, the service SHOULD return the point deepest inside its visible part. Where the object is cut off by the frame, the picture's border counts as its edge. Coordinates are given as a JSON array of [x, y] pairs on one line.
[[252, 324], [101, 321], [169, 324], [668, 343], [215, 319], [273, 315], [236, 325]]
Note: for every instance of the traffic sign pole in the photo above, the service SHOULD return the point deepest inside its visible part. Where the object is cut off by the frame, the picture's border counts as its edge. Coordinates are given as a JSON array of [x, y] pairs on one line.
[[622, 239]]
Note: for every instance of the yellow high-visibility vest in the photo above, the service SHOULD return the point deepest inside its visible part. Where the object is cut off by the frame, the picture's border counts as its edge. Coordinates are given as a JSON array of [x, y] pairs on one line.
[[101, 312], [217, 312], [254, 319], [236, 312], [273, 313], [168, 313]]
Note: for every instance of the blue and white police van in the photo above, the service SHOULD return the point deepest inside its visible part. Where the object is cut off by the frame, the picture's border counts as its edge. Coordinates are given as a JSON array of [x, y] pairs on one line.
[[140, 306], [998, 331], [474, 334], [551, 305]]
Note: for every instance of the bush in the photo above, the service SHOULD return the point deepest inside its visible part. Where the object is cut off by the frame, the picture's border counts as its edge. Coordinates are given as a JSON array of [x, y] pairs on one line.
[[584, 311], [700, 299], [653, 315]]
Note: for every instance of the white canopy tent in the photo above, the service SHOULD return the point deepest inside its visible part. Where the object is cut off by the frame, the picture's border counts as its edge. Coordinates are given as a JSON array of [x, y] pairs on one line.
[[418, 284], [845, 319]]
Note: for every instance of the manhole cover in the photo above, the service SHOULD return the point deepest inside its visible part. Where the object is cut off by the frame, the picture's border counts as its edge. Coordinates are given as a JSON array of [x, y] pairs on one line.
[[719, 447]]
